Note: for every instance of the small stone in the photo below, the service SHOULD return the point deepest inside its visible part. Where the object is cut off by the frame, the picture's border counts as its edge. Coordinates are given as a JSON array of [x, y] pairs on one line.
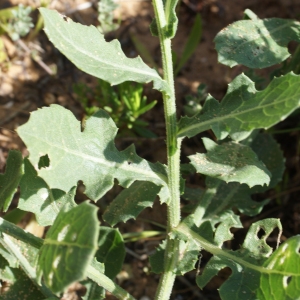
[[49, 98]]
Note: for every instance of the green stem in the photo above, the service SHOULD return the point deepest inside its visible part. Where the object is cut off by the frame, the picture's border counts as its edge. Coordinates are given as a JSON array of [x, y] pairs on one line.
[[19, 234], [173, 151], [94, 274], [8, 229]]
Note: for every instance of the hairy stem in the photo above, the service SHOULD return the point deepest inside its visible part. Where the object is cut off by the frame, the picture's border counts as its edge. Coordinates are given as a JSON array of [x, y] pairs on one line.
[[173, 152]]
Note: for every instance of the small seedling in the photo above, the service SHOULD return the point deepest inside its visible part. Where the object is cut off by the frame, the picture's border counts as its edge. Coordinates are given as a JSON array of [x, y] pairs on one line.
[[125, 105]]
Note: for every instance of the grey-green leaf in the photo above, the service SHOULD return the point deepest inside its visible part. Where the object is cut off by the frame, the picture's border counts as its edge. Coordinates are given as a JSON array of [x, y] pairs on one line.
[[231, 162], [89, 155], [9, 181], [37, 197], [213, 206], [244, 109], [268, 151], [86, 47], [69, 247], [131, 201], [256, 43]]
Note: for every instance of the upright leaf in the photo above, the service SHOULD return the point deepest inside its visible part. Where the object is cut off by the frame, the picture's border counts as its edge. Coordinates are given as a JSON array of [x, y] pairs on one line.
[[69, 247], [171, 20], [256, 43], [231, 162], [111, 251], [191, 44], [9, 181], [86, 47], [89, 155], [244, 109], [37, 197]]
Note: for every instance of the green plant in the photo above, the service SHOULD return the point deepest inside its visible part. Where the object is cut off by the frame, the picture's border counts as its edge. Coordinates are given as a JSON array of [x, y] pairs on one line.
[[125, 105], [240, 162], [17, 22], [106, 10]]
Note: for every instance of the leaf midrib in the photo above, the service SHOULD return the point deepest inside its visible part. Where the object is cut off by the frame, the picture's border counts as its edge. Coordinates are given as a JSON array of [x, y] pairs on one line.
[[215, 250], [153, 74], [123, 166], [232, 115]]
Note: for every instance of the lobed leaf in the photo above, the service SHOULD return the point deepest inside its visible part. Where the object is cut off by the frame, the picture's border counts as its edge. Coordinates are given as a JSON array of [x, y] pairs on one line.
[[244, 109], [131, 201], [231, 162], [69, 247], [9, 181], [256, 43], [217, 202], [86, 47], [89, 155], [38, 198], [256, 272]]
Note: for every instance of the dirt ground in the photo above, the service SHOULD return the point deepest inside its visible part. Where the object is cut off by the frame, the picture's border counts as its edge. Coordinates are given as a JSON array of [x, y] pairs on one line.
[[26, 85]]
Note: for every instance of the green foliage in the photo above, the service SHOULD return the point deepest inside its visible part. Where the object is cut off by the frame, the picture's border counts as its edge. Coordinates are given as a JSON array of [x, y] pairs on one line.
[[91, 53], [10, 180], [194, 102], [95, 159], [239, 163], [125, 105], [131, 201], [69, 247], [19, 23], [256, 43], [191, 44], [106, 15], [244, 108], [230, 162], [37, 197], [111, 251]]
